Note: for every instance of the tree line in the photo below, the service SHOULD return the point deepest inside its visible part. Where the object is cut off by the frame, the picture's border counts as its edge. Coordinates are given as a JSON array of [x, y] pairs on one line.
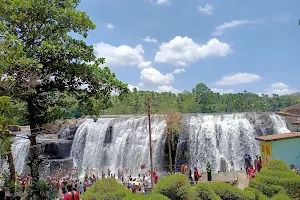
[[200, 100]]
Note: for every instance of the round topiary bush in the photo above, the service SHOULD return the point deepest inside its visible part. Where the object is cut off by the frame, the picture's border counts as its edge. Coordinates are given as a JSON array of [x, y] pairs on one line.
[[106, 189], [227, 192], [249, 195], [175, 187], [203, 191], [277, 178], [257, 193], [146, 197], [281, 197], [277, 165]]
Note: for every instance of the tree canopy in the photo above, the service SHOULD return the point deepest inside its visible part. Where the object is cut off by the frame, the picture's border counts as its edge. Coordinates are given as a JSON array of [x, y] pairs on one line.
[[39, 59]]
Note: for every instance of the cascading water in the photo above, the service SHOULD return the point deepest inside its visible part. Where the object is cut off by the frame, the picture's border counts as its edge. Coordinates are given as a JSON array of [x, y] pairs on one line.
[[118, 143], [223, 140], [20, 150], [279, 124]]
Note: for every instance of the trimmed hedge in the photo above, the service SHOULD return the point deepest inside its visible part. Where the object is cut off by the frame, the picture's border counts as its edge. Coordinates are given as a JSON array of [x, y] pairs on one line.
[[277, 165], [203, 191], [249, 195], [227, 192], [281, 197], [146, 197], [106, 189], [175, 187], [277, 178], [257, 193]]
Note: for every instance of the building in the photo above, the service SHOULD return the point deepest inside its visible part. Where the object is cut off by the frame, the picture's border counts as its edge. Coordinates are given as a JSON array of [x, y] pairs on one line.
[[285, 147]]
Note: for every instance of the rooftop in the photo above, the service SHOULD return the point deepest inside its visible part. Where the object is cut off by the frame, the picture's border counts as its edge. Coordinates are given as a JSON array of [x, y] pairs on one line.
[[278, 136]]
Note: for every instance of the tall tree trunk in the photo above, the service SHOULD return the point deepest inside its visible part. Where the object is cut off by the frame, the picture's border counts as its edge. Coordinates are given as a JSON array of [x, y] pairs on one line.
[[12, 169], [170, 150], [34, 160]]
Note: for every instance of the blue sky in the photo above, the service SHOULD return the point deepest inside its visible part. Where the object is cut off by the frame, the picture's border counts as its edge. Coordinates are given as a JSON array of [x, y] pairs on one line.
[[171, 45]]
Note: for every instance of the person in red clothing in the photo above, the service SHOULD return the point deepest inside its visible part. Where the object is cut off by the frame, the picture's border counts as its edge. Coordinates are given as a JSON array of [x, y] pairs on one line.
[[71, 195]]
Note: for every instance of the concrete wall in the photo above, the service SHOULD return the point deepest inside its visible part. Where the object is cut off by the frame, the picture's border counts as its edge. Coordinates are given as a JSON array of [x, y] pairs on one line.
[[287, 150]]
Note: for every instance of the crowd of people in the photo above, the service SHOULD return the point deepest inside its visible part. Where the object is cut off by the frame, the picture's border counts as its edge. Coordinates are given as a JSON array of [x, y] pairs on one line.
[[195, 177], [252, 167]]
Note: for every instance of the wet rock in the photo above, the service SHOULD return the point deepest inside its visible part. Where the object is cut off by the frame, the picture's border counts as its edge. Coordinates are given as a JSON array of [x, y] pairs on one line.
[[57, 149], [50, 167]]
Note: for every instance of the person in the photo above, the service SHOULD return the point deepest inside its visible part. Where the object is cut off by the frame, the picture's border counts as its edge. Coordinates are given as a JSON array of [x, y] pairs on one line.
[[71, 195], [103, 175], [259, 164], [256, 163], [190, 175], [251, 172], [196, 175], [208, 170], [182, 169], [246, 164], [80, 188]]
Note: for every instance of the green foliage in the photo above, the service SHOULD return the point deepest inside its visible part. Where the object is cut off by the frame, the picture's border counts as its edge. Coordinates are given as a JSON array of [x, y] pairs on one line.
[[227, 192], [277, 178], [201, 99], [277, 165], [8, 184], [257, 193], [203, 191], [106, 189], [146, 197], [40, 60], [174, 187], [249, 195], [40, 190], [281, 197]]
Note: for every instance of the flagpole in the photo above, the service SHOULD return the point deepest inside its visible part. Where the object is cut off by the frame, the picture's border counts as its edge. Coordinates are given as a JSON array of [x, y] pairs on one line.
[[150, 140]]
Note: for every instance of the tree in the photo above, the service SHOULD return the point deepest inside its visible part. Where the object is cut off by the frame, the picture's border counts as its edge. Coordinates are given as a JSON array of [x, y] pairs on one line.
[[5, 135], [173, 127], [39, 58]]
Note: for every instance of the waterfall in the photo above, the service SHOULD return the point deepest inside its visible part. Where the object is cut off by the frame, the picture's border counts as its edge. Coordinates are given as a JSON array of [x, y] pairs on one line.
[[118, 143], [20, 150], [279, 124], [223, 140]]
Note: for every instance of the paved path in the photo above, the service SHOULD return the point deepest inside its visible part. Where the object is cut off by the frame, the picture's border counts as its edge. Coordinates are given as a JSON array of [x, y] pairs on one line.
[[243, 181]]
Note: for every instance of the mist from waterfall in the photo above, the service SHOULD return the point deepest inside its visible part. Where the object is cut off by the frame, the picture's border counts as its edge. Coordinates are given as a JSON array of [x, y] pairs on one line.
[[223, 140], [118, 143]]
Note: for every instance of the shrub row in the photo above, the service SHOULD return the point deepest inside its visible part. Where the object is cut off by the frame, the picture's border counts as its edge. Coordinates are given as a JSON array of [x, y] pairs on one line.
[[276, 182]]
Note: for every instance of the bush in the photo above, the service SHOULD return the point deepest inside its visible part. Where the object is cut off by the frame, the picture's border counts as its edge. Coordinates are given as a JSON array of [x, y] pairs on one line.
[[278, 165], [106, 189], [268, 179], [249, 195], [281, 197], [175, 187], [146, 197], [257, 193], [268, 190], [227, 192], [203, 191]]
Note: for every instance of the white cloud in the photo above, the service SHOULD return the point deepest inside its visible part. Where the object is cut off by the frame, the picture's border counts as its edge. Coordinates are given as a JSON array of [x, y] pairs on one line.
[[280, 89], [207, 9], [163, 2], [110, 26], [154, 77], [183, 50], [167, 88], [150, 40], [145, 64], [238, 78], [120, 56], [227, 25], [131, 87], [222, 91], [279, 85], [178, 71]]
